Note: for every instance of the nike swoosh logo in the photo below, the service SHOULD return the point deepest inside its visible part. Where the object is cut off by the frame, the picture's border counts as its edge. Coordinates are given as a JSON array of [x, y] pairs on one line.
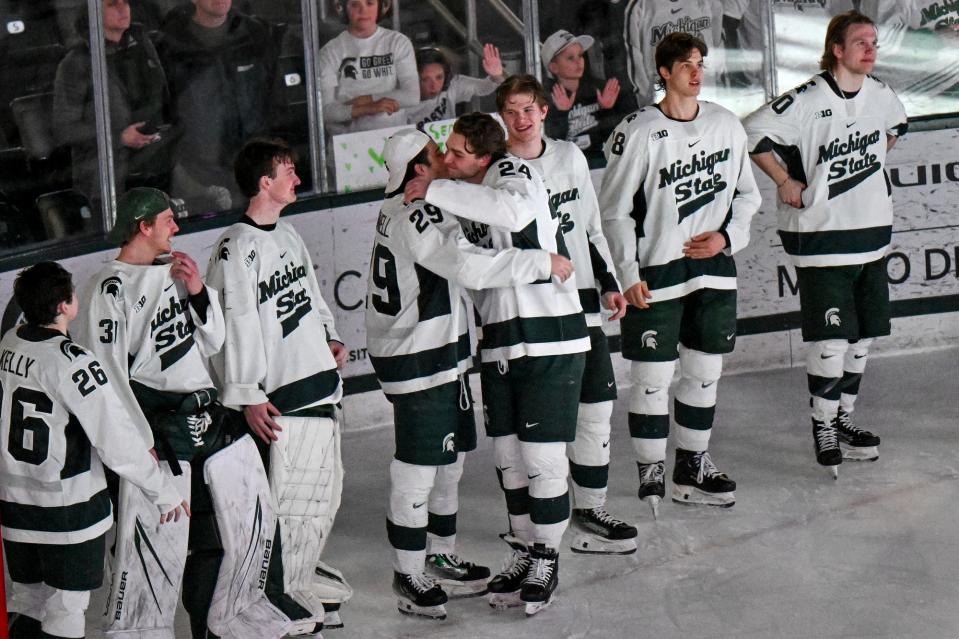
[[605, 443], [419, 505], [172, 284], [282, 255], [850, 124], [675, 10], [695, 143], [610, 384], [534, 476], [730, 337], [858, 356], [708, 384], [650, 391], [528, 425], [823, 356]]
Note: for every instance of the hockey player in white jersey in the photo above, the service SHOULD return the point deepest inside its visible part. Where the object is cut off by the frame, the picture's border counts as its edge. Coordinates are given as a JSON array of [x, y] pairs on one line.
[[831, 135], [532, 349], [419, 344], [61, 422], [677, 199], [521, 101], [647, 22], [153, 324], [279, 365]]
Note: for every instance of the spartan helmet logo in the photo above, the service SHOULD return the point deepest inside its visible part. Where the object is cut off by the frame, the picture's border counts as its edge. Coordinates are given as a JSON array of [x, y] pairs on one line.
[[111, 286], [71, 350], [832, 317], [223, 251], [449, 443], [347, 70], [648, 340]]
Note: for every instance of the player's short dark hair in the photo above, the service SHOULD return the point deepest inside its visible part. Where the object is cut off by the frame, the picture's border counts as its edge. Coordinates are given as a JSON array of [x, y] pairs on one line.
[[484, 135], [39, 289], [836, 35], [423, 157], [432, 55], [520, 85], [676, 47], [258, 158]]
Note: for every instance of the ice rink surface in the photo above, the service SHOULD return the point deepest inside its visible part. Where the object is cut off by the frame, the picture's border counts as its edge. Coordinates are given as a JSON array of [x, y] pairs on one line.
[[874, 554]]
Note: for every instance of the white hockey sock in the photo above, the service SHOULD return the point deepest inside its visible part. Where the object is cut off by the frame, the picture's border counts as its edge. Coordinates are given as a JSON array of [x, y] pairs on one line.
[[589, 455], [511, 469], [444, 502], [548, 472], [410, 487], [854, 365], [649, 409]]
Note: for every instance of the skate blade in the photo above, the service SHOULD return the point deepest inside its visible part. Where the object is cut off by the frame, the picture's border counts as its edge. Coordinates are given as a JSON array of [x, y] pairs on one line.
[[463, 589], [332, 620], [834, 471], [504, 600], [696, 497], [304, 629], [592, 544], [429, 612], [859, 453], [653, 501], [533, 607]]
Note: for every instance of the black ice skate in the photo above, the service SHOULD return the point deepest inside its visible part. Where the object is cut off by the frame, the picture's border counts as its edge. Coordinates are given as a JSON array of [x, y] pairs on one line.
[[418, 595], [458, 577], [652, 484], [855, 443], [504, 588], [541, 578], [601, 533], [696, 480], [827, 446]]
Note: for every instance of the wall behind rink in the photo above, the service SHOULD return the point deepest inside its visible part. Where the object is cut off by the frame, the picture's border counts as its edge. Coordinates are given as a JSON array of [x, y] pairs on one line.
[[923, 265]]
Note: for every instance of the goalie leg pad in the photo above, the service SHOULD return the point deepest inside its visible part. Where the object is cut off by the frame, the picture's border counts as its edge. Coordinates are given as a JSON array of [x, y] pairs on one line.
[[306, 481], [246, 521], [148, 565]]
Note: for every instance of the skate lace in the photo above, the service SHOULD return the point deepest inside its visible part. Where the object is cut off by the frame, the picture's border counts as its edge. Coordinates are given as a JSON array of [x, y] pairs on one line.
[[516, 563], [198, 425], [455, 560], [604, 517], [541, 571], [844, 420], [421, 582], [653, 473], [826, 437], [706, 467]]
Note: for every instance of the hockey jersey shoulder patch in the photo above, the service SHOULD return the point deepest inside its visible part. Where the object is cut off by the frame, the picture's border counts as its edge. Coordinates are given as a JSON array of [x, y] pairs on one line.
[[71, 350], [112, 286]]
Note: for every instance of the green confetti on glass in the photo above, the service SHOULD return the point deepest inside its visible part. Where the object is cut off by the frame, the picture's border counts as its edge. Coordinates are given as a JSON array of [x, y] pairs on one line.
[[376, 157]]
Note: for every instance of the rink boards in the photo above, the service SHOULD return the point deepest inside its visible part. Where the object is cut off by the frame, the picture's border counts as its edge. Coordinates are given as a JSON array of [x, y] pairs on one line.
[[923, 265]]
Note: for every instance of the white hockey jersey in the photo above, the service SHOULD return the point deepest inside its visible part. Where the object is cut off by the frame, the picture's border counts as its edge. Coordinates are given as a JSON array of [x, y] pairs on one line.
[[416, 317], [649, 21], [666, 181], [572, 200], [510, 209], [277, 323], [836, 145], [59, 417], [141, 326], [443, 105], [382, 66]]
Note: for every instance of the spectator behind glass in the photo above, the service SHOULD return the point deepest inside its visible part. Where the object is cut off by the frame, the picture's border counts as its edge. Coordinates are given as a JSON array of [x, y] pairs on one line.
[[441, 90], [222, 69], [139, 106], [581, 108], [367, 73]]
